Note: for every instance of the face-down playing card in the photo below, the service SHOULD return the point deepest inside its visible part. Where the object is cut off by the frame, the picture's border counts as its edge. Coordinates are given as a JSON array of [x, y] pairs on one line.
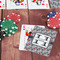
[[38, 4], [55, 3], [25, 29], [16, 4], [2, 4], [41, 41]]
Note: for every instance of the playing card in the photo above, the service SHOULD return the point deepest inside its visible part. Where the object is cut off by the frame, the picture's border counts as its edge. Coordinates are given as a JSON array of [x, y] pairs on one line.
[[38, 4], [55, 3], [2, 4], [16, 4], [41, 41], [25, 29]]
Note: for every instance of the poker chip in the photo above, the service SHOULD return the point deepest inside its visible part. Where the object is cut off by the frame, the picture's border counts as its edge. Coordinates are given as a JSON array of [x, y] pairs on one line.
[[9, 27], [0, 24], [2, 34], [13, 16], [51, 14], [54, 22]]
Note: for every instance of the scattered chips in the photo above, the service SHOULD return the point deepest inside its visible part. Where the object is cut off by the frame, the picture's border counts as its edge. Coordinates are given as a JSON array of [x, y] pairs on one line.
[[51, 14], [54, 22], [2, 34], [15, 17], [9, 27]]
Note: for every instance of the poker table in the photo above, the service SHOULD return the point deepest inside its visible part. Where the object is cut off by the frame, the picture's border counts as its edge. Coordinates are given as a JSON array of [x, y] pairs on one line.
[[10, 45]]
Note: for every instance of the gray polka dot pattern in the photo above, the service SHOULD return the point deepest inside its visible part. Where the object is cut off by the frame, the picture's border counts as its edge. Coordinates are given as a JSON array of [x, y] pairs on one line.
[[55, 3], [38, 49]]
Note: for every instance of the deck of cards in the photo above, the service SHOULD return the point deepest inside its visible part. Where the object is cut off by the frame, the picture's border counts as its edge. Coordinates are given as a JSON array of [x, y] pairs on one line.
[[27, 4], [37, 39]]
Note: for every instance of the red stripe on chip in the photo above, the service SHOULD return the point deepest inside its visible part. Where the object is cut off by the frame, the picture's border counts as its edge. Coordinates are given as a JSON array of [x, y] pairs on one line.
[[13, 16], [54, 22]]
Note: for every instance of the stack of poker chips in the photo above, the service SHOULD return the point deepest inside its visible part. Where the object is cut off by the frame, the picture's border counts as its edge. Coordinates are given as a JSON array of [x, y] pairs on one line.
[[8, 26], [17, 2]]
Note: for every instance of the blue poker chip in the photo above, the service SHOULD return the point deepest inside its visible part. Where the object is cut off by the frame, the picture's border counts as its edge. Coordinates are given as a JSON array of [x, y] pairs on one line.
[[0, 23], [51, 14]]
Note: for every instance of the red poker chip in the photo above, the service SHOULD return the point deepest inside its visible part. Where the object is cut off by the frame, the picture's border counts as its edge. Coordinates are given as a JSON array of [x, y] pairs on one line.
[[15, 17], [54, 22]]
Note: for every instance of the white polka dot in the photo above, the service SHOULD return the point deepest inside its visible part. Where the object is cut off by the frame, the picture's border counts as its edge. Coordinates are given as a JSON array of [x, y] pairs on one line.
[[1, 25], [13, 13], [48, 20], [54, 27], [9, 34], [10, 30], [6, 29], [56, 12], [48, 25], [0, 20], [9, 19], [14, 22], [13, 32], [3, 18], [18, 15], [53, 17], [48, 16], [16, 27], [51, 12], [19, 19], [7, 15], [3, 30], [0, 38], [3, 21], [4, 35], [59, 18], [12, 27]]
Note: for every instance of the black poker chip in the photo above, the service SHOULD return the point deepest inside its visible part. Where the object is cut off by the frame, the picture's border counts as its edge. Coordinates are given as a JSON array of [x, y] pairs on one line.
[[2, 34], [0, 24]]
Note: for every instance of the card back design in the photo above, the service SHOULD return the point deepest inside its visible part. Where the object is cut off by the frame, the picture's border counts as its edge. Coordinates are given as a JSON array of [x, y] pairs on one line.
[[55, 3], [41, 41]]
